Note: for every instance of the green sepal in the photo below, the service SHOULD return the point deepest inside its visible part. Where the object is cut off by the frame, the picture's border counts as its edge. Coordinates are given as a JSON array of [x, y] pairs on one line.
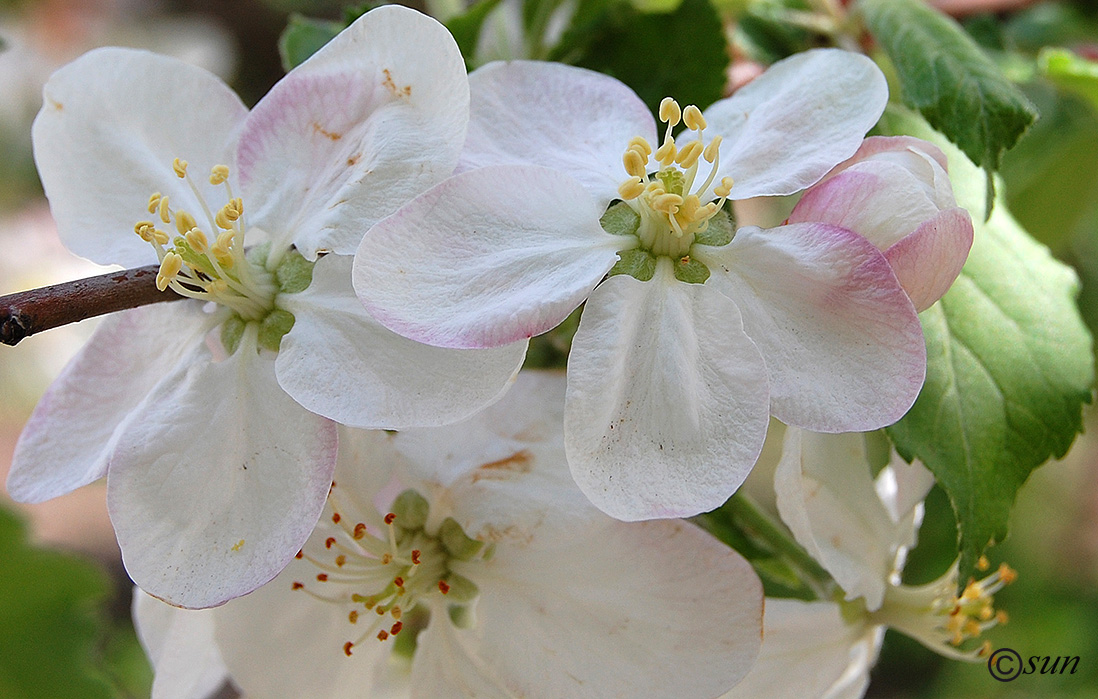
[[690, 270], [273, 327], [620, 219], [294, 273], [232, 332], [411, 509], [462, 589], [720, 231], [461, 616], [258, 255], [637, 263], [455, 542]]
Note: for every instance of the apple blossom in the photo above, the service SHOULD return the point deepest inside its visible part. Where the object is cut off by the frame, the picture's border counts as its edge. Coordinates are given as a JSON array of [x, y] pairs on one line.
[[212, 417], [699, 332], [463, 561], [859, 529], [895, 192]]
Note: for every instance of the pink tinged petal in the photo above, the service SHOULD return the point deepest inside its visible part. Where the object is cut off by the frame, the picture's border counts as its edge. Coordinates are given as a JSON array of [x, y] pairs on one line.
[[605, 609], [372, 119], [487, 258], [566, 118], [339, 362], [70, 435], [111, 124], [180, 645], [842, 343], [217, 480], [667, 402], [281, 642], [809, 650], [784, 130], [827, 497], [928, 261]]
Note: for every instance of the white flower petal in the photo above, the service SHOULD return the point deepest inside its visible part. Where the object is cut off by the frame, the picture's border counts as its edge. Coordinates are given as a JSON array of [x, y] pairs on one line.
[[504, 470], [70, 435], [372, 119], [217, 480], [827, 497], [667, 399], [180, 645], [280, 642], [561, 117], [612, 609], [111, 124], [339, 362], [843, 346], [486, 258], [809, 650], [784, 130]]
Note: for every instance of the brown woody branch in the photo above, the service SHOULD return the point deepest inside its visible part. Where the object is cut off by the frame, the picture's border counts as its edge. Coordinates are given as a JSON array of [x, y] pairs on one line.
[[29, 312]]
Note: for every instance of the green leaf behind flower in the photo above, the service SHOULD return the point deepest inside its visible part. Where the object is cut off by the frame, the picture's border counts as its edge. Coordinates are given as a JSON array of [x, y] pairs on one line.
[[949, 79], [1009, 365]]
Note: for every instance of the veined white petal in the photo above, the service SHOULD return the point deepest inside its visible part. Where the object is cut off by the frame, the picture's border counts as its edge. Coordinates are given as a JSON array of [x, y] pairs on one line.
[[784, 130], [667, 402], [368, 122], [180, 645], [217, 480], [339, 362], [69, 437], [111, 124], [841, 340], [487, 258], [570, 119]]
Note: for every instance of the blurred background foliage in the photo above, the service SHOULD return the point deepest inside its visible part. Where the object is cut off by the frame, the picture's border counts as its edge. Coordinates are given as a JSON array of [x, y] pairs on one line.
[[64, 596]]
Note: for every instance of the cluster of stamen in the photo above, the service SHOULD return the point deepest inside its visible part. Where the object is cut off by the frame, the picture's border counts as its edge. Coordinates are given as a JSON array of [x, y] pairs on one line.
[[669, 205], [381, 575], [937, 616], [196, 268]]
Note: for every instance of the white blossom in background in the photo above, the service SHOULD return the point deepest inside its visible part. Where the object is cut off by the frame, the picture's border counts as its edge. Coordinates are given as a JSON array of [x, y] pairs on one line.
[[213, 418], [859, 529], [463, 561], [896, 193], [679, 361]]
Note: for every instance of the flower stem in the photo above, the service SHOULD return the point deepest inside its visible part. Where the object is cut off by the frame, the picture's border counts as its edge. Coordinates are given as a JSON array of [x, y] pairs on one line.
[[28, 312]]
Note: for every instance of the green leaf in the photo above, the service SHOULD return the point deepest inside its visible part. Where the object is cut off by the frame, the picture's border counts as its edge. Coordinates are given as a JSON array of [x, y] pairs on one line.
[[304, 36], [680, 53], [949, 79], [1070, 72], [466, 27], [51, 620], [1009, 366]]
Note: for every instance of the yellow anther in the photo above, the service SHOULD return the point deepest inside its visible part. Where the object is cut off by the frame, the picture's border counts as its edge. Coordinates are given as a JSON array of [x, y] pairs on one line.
[[169, 269], [184, 222], [180, 167], [218, 174], [225, 240], [162, 208], [161, 237], [689, 154], [655, 188], [724, 188], [983, 563], [631, 188], [667, 203], [692, 117], [639, 143], [688, 212], [154, 201], [145, 230], [217, 286], [973, 591], [197, 240], [1001, 617], [634, 163], [665, 154], [670, 111], [1007, 574], [710, 153]]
